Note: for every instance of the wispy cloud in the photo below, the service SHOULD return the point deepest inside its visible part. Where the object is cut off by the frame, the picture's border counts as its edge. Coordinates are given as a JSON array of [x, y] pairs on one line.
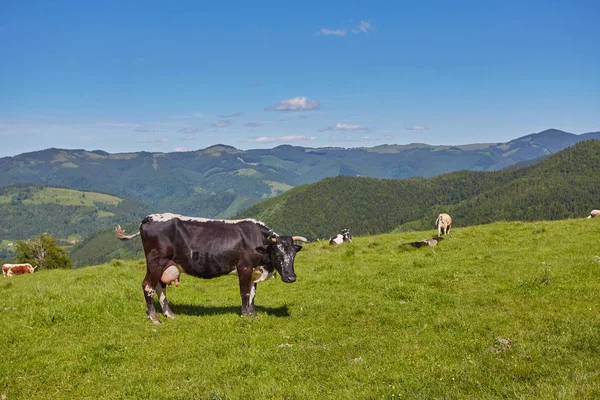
[[417, 128], [221, 123], [362, 27], [349, 138], [333, 32], [145, 130], [231, 115], [345, 127], [188, 137], [253, 124], [191, 115], [188, 130], [300, 103], [283, 139], [153, 140]]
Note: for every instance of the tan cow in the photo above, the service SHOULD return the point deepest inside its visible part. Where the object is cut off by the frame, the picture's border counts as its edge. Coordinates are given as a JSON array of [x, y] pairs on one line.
[[17, 269], [443, 223], [594, 213]]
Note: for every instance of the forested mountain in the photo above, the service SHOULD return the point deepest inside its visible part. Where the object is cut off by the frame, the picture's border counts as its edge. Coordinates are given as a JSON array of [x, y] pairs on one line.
[[68, 215], [220, 181], [565, 185]]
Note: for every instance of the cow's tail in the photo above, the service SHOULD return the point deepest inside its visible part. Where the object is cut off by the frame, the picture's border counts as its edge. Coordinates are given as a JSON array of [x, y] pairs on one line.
[[120, 234]]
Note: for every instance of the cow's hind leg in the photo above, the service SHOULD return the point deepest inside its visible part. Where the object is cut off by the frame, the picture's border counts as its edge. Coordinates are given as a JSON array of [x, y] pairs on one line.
[[147, 286], [161, 290]]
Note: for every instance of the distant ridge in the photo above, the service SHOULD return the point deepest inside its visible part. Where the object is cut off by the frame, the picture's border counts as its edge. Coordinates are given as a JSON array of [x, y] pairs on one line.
[[220, 180], [564, 185]]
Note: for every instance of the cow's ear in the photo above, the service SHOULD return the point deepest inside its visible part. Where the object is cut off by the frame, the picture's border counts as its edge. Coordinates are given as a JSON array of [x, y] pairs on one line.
[[298, 247], [261, 249]]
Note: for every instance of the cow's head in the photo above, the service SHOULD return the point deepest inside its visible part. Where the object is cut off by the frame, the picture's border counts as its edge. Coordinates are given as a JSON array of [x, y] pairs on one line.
[[31, 269], [280, 254]]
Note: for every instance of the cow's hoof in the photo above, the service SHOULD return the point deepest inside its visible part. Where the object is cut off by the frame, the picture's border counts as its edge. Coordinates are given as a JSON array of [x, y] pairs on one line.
[[249, 314], [170, 315]]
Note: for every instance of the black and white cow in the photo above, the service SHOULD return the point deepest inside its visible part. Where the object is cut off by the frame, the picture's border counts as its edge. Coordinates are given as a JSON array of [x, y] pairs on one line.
[[340, 238], [208, 248]]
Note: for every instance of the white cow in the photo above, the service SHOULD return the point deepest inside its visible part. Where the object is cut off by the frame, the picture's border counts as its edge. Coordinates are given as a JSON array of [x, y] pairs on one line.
[[443, 223], [594, 213]]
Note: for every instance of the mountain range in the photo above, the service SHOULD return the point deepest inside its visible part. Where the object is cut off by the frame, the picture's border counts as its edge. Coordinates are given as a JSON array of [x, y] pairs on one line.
[[220, 181]]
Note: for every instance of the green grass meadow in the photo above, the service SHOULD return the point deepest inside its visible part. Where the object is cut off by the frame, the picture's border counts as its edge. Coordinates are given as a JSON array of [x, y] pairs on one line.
[[507, 310]]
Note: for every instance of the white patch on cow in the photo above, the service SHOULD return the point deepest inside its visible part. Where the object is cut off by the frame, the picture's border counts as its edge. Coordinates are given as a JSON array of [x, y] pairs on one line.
[[149, 291], [169, 216], [259, 274], [252, 294], [337, 239]]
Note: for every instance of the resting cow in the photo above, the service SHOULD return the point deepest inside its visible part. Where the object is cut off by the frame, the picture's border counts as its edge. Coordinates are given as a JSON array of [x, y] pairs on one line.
[[443, 223], [594, 213], [207, 249], [426, 242], [17, 269], [340, 238]]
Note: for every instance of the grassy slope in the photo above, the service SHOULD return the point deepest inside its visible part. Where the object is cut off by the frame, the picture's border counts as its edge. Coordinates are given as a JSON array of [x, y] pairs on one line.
[[371, 319]]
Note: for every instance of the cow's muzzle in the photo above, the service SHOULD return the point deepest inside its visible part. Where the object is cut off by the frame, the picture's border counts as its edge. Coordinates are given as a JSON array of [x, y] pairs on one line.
[[289, 278]]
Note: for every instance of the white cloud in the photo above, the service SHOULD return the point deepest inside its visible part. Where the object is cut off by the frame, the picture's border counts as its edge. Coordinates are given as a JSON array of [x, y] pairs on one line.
[[417, 128], [300, 103], [221, 123], [345, 127], [253, 124], [334, 32], [283, 139], [179, 149]]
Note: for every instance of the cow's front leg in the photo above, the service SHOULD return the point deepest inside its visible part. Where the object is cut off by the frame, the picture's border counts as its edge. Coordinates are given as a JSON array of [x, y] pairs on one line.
[[247, 291], [149, 296], [161, 290]]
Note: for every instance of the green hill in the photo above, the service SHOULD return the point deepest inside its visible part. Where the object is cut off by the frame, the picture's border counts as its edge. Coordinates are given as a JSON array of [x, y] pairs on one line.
[[564, 185], [68, 215], [498, 311]]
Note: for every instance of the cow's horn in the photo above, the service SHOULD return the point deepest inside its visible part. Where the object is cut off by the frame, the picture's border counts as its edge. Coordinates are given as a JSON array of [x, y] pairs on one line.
[[299, 238]]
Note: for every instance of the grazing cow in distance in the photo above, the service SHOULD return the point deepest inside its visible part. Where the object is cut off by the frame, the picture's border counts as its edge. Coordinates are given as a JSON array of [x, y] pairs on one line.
[[208, 248], [594, 213], [17, 269], [426, 242], [443, 223], [340, 238]]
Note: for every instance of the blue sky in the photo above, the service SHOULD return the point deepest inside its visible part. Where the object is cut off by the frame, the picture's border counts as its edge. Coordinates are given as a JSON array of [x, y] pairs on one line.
[[125, 76]]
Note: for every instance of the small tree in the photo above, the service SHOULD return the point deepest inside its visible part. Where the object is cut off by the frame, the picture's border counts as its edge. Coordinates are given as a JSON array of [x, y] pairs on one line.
[[42, 252]]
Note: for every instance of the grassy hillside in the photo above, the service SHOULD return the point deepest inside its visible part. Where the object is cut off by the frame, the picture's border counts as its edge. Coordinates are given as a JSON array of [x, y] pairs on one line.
[[70, 215], [565, 185], [102, 245], [506, 310]]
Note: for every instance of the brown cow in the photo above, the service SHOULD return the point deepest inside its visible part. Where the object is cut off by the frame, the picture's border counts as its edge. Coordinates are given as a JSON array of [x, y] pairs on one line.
[[17, 269]]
